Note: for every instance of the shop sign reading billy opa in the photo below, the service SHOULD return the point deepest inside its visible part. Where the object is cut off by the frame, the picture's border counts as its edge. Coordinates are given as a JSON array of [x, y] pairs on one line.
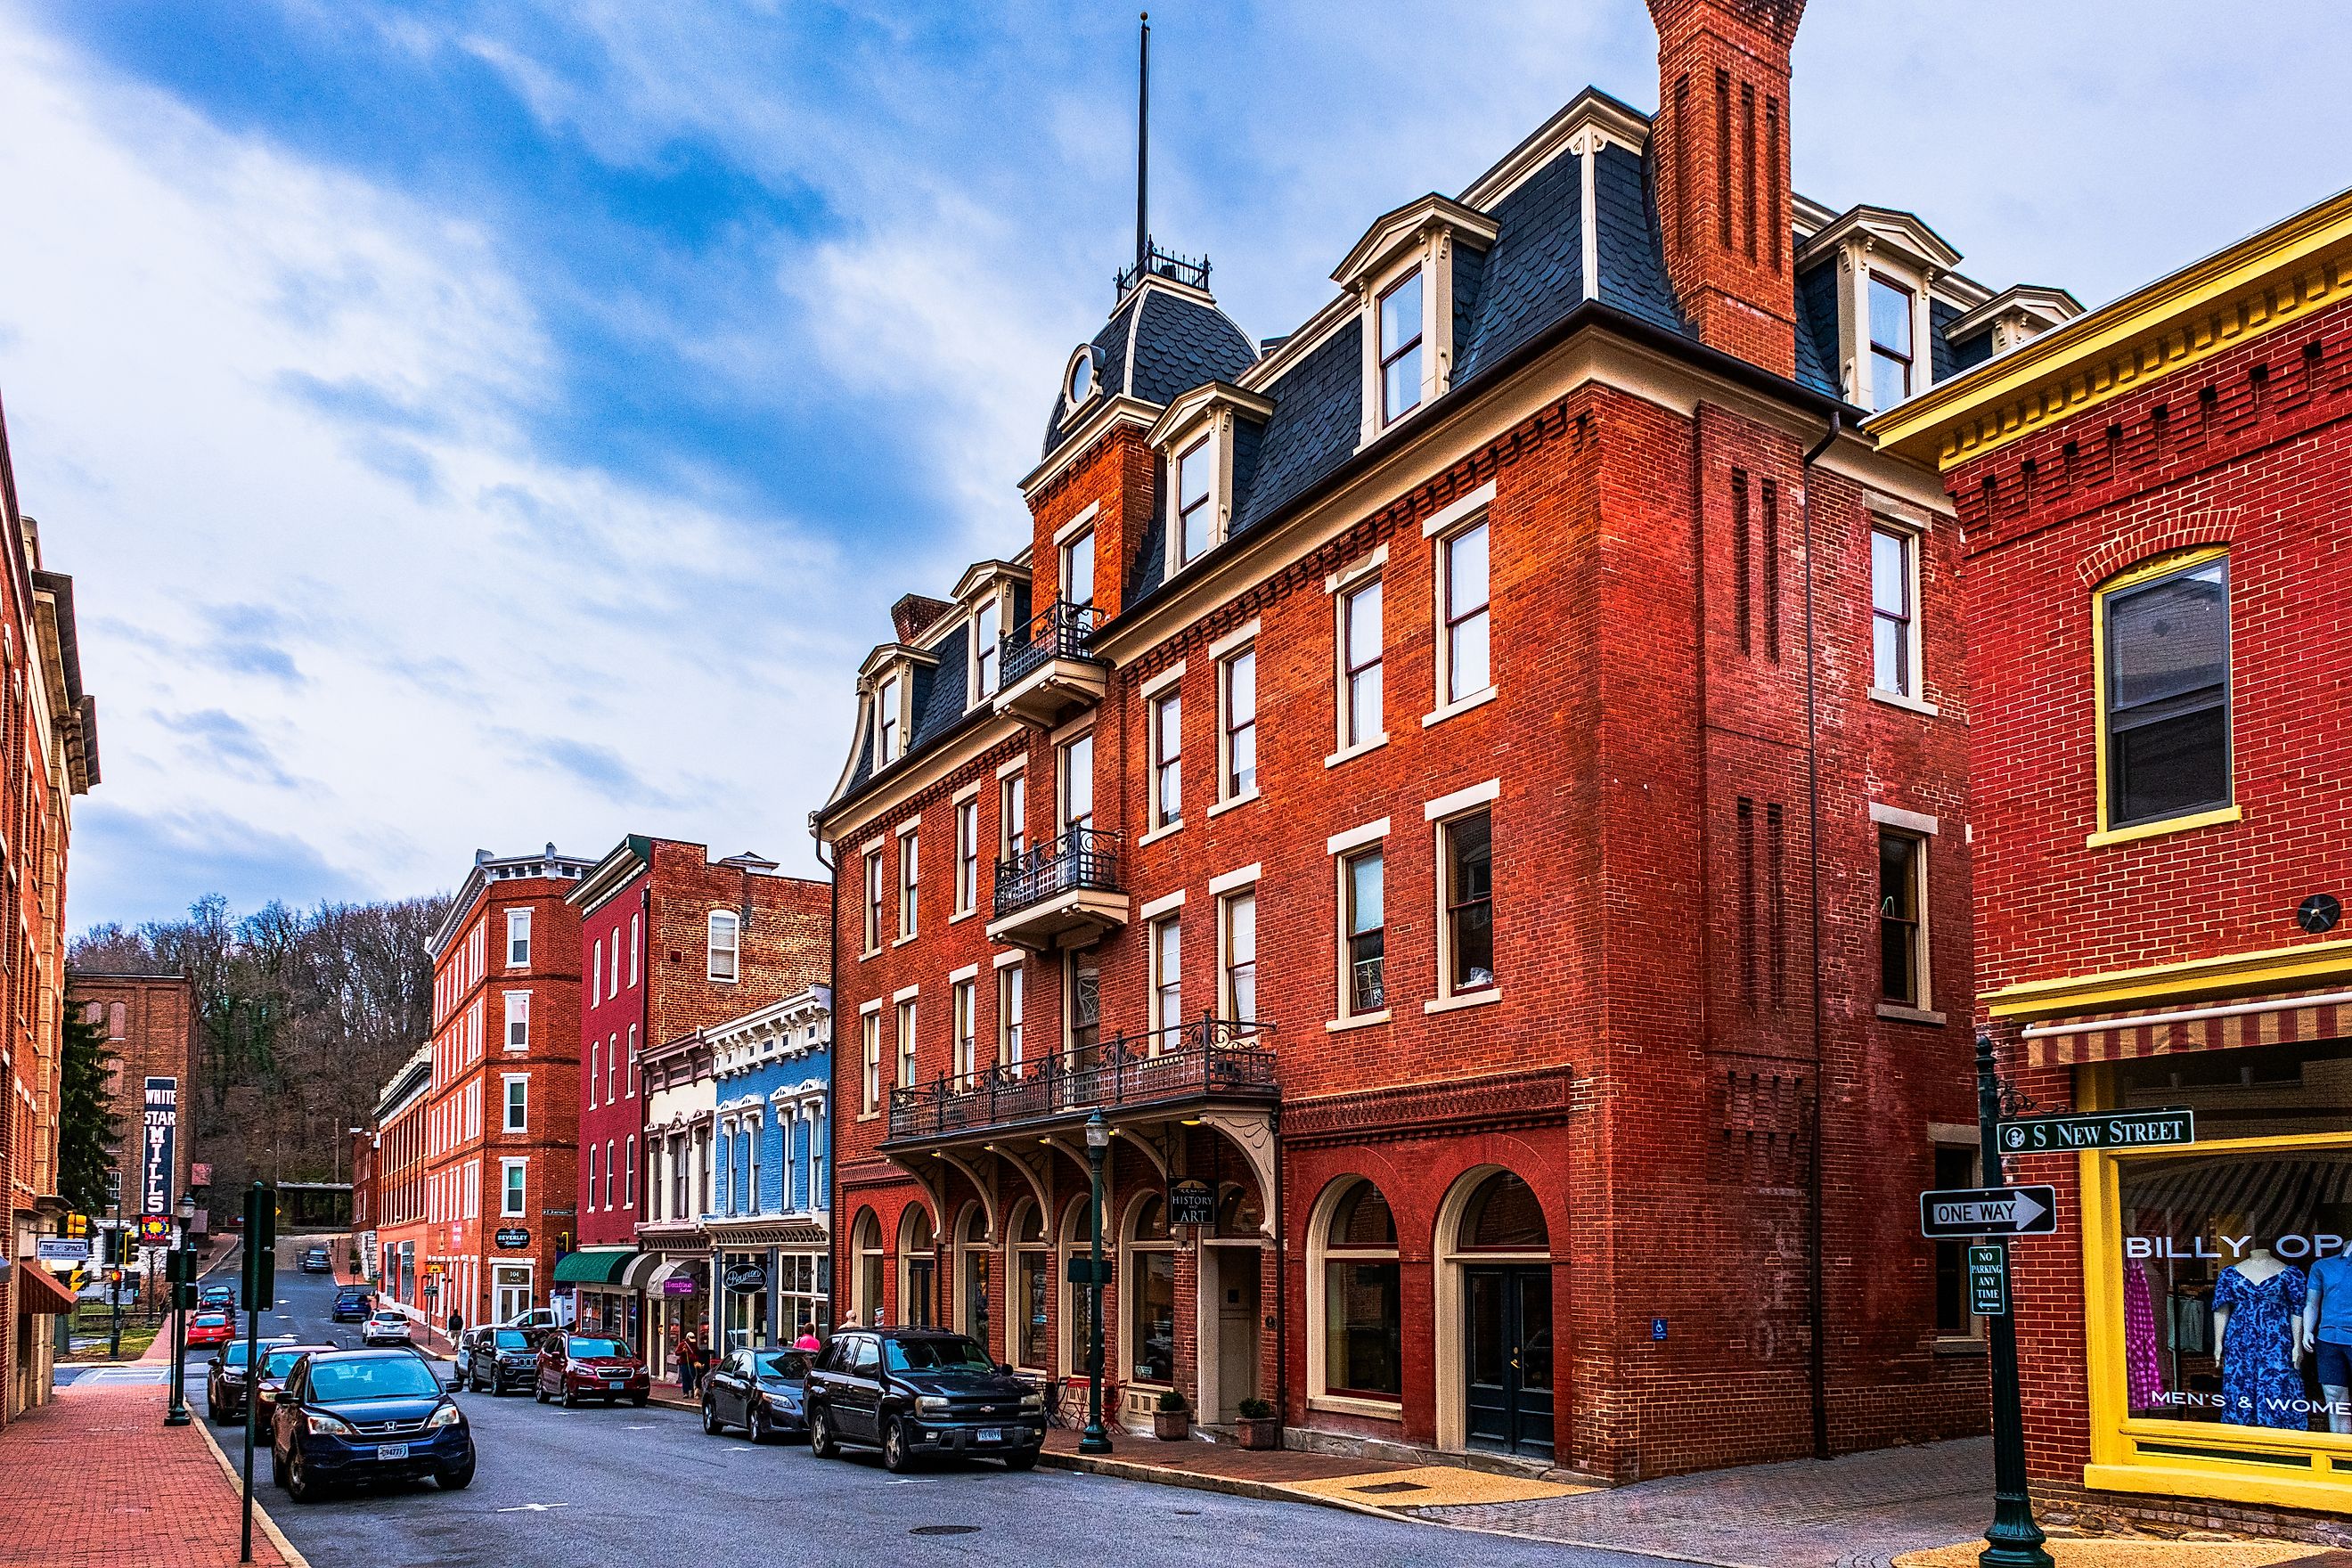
[[2100, 1130]]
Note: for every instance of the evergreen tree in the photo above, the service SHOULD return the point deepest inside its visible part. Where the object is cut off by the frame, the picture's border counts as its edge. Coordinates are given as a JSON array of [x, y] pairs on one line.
[[87, 1126]]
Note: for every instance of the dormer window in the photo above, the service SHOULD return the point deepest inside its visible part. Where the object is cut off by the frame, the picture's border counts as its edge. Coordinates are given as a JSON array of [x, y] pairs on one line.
[[1195, 494], [1082, 379], [1890, 325], [1194, 439], [1401, 338], [889, 730], [987, 628]]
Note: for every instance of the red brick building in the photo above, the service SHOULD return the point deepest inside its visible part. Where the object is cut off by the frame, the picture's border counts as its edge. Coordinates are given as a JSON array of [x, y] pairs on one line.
[[394, 1240], [48, 754], [2157, 500], [501, 1125], [672, 941], [150, 1024], [1473, 792]]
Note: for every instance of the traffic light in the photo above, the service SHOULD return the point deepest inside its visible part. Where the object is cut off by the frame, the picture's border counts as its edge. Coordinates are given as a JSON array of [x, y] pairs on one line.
[[77, 1224], [260, 1245]]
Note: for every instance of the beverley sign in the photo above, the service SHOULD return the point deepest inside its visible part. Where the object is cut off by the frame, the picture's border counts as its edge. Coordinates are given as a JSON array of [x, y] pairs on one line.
[[2104, 1130]]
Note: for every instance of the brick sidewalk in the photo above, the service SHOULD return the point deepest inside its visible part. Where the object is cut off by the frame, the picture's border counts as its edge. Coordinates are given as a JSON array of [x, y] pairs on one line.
[[95, 1479]]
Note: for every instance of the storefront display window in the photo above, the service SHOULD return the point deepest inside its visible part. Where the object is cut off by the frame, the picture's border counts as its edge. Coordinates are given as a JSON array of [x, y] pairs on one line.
[[1151, 1296], [1363, 1309]]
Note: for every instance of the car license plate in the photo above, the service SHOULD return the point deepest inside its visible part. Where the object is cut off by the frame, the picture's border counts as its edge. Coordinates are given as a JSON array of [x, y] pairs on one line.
[[991, 1434], [392, 1450], [619, 1384]]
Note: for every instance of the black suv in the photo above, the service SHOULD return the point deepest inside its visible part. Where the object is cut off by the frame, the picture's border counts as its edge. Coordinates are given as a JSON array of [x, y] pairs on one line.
[[911, 1392], [496, 1360]]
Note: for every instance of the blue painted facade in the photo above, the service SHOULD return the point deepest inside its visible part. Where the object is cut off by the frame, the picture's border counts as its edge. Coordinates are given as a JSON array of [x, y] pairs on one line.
[[769, 1195]]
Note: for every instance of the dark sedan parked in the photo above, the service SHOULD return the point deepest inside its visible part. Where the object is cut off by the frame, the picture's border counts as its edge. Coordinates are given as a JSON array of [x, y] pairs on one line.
[[363, 1415], [495, 1360], [573, 1367], [911, 1392], [761, 1390], [216, 1297], [225, 1378]]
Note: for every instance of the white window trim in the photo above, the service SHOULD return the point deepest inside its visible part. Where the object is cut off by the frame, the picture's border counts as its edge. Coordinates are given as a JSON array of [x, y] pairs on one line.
[[899, 682], [1432, 257], [903, 994], [1458, 510], [1240, 641], [1232, 801], [1356, 837], [1161, 905], [1234, 880], [1924, 942], [1235, 641], [1462, 800], [1077, 525], [968, 795], [1225, 897], [1017, 766], [1161, 681], [1213, 425], [711, 947], [1351, 753], [1467, 512], [1151, 929], [1909, 821], [909, 889], [1002, 597], [1442, 814], [1341, 585], [1476, 699], [1355, 571], [1152, 695], [517, 920], [506, 1186], [1165, 830], [1915, 655], [1006, 959], [506, 1080], [505, 1020], [1343, 847], [968, 971]]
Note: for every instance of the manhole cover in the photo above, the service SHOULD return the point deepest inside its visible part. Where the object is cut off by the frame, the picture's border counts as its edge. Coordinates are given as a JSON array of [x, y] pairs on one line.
[[945, 1529], [1387, 1486]]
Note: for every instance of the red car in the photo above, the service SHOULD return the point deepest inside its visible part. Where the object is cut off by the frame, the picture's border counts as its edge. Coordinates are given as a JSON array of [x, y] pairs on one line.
[[210, 1329], [573, 1367]]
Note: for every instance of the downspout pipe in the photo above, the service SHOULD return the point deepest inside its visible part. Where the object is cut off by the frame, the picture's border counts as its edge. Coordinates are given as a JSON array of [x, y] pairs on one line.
[[1816, 1285]]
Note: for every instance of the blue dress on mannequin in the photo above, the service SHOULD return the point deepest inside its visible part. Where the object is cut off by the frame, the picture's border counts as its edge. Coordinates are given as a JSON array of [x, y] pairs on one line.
[[2260, 1384]]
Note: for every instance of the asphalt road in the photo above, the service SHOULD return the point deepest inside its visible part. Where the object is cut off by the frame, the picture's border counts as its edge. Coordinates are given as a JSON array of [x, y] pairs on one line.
[[603, 1488]]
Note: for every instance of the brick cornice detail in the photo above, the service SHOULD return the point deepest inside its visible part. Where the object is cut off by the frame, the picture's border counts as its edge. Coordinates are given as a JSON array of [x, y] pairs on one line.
[[1434, 1109], [2155, 538]]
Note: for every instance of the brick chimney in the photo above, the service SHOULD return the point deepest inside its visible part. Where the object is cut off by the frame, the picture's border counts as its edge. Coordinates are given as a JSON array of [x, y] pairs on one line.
[[1721, 145]]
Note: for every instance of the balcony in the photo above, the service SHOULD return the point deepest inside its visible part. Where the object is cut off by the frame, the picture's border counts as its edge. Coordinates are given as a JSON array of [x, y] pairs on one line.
[[1048, 670], [1064, 892], [1141, 1076]]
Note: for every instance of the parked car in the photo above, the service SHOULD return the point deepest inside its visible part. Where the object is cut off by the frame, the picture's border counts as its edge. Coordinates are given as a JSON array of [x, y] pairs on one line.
[[210, 1329], [496, 1360], [536, 1321], [573, 1367], [216, 1295], [230, 1372], [318, 1260], [385, 1327], [365, 1416], [353, 1304], [760, 1389], [912, 1392]]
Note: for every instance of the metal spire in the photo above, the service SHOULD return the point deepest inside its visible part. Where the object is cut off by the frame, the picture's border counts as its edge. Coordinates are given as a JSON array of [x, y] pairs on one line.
[[1143, 150]]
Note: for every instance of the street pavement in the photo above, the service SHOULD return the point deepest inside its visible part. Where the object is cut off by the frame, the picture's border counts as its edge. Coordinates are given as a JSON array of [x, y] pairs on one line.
[[599, 1487]]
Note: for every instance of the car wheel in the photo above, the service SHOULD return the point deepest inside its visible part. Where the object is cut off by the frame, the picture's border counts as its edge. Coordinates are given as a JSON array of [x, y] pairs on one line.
[[538, 1392], [821, 1443], [298, 1484], [757, 1427], [458, 1479], [639, 1400], [570, 1399], [1021, 1461], [712, 1425], [894, 1457], [276, 1470], [213, 1412]]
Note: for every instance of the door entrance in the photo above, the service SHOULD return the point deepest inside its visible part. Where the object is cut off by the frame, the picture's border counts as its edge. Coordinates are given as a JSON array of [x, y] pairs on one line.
[[512, 1292], [915, 1311], [975, 1298], [1237, 1328], [1508, 1359]]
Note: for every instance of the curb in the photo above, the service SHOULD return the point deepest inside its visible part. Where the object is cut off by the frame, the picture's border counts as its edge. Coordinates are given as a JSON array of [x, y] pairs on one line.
[[285, 1549]]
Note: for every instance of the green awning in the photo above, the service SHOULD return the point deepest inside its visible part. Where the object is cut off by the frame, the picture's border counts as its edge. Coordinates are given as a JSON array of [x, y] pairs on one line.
[[604, 1268]]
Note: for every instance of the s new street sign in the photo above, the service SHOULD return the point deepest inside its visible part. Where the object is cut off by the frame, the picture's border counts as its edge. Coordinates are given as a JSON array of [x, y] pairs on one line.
[[2100, 1130], [1988, 1211]]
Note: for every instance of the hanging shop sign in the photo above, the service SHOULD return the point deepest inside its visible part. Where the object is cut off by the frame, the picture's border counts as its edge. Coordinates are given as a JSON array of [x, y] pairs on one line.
[[676, 1286], [1989, 1281], [154, 1230], [1191, 1201], [745, 1278], [158, 1163], [1961, 1212], [2107, 1129], [62, 1248], [513, 1238]]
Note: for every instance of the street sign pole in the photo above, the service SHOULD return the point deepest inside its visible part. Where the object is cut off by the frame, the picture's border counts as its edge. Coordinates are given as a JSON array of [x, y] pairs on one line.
[[2014, 1539], [261, 1290], [180, 1267]]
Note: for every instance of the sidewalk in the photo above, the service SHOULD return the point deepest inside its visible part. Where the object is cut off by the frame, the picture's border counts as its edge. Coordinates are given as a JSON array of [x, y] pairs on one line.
[[95, 1479]]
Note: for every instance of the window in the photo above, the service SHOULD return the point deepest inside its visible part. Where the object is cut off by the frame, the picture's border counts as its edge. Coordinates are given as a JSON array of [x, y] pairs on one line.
[[1362, 985], [1363, 1321], [1167, 759], [1894, 627], [1956, 1169], [518, 1118], [634, 940], [612, 1065], [1078, 568], [906, 1043], [591, 1175], [1078, 782], [726, 928], [594, 1047], [1081, 1003], [873, 900], [887, 728], [1462, 573], [1890, 343], [962, 1005], [1011, 816], [870, 1061], [1467, 855], [633, 1061], [510, 1195], [517, 939], [613, 985], [987, 628], [629, 1191], [596, 974], [967, 854], [1151, 1295], [752, 1164], [910, 873], [1238, 700], [1240, 942], [518, 1006], [1360, 719], [1167, 973], [2166, 697], [1009, 984], [1194, 493], [1902, 934], [1400, 348]]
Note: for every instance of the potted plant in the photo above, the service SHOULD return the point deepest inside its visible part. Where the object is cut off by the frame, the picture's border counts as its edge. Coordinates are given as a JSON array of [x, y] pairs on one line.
[[1172, 1422], [1257, 1427]]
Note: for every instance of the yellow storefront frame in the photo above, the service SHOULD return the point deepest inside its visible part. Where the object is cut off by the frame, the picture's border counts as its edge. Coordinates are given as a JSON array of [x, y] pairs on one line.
[[2187, 1458]]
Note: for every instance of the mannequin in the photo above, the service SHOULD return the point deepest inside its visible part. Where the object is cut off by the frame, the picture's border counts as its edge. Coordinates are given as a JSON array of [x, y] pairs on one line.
[[2326, 1333], [2262, 1364]]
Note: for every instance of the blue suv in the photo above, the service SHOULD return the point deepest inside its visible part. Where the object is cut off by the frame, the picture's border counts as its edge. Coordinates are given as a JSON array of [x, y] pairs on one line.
[[366, 1416], [353, 1304]]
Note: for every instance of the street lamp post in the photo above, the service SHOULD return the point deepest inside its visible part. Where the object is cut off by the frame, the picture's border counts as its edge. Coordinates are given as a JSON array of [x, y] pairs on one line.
[[2014, 1539], [1095, 1440], [183, 1272]]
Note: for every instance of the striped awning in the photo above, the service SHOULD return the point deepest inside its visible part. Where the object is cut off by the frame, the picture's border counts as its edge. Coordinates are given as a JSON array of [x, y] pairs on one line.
[[2272, 1194], [2192, 1026]]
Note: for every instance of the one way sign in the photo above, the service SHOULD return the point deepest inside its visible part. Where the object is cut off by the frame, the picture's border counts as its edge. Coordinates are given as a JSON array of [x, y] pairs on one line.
[[1989, 1211]]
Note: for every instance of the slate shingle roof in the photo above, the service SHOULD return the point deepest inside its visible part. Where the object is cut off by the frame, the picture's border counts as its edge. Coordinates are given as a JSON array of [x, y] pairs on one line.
[[1179, 344]]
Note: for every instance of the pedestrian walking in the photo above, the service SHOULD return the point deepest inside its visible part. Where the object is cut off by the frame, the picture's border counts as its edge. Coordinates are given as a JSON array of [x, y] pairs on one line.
[[689, 1365], [457, 1324]]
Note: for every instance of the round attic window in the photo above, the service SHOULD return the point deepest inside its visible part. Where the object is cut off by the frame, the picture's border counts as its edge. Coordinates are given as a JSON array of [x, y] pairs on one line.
[[1084, 375]]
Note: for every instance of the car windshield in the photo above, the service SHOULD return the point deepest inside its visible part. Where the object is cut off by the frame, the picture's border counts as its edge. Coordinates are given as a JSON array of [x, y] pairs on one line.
[[236, 1352], [957, 1354], [585, 1347], [280, 1363], [400, 1376], [513, 1339], [390, 1317], [794, 1364]]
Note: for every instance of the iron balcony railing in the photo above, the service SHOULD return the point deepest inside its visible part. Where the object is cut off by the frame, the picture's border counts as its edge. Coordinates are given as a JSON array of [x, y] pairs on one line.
[[1210, 1057], [1081, 858], [1058, 631], [1188, 269]]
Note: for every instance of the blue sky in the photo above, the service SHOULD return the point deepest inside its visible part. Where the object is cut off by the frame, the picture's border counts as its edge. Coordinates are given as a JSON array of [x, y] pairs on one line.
[[475, 425]]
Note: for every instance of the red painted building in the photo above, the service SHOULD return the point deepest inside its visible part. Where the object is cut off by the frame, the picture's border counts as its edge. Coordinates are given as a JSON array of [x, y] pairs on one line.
[[1473, 792], [671, 942], [2157, 500], [502, 1123], [394, 1239]]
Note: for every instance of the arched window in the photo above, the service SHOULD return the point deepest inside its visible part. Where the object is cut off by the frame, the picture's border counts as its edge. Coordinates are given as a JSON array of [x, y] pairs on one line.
[[1503, 1215], [1147, 1284], [1033, 1280], [970, 1302], [917, 1268], [865, 1258], [1362, 1317], [1078, 1237], [1239, 1216], [117, 1019]]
